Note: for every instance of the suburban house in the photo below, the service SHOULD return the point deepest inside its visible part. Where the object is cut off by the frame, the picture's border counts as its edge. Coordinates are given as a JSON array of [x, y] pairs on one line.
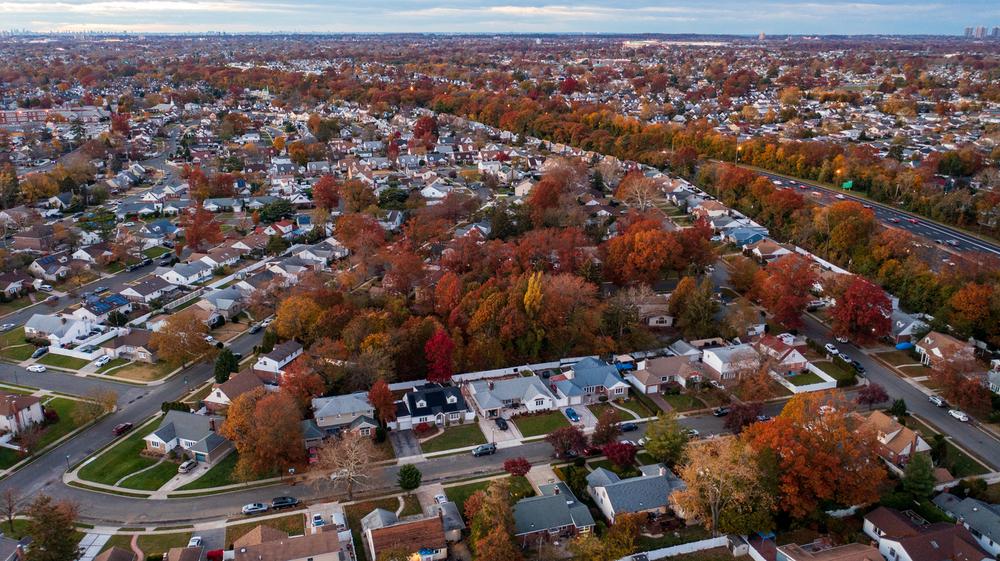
[[648, 492], [147, 289], [767, 250], [227, 302], [432, 404], [52, 268], [897, 444], [222, 395], [99, 253], [555, 513], [263, 543], [654, 375], [512, 396], [324, 252], [191, 434], [785, 359], [279, 357], [13, 283], [981, 519], [452, 519], [18, 412], [98, 310], [185, 273], [59, 330], [902, 537], [345, 412], [822, 550], [133, 345], [422, 539], [938, 348], [36, 238], [115, 553], [728, 363], [587, 382]]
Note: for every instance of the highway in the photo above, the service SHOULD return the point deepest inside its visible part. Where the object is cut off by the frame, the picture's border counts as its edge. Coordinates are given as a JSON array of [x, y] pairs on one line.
[[889, 215]]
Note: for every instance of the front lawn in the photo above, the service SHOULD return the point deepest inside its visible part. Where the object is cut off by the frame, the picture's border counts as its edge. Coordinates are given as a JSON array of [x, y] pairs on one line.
[[601, 408], [520, 488], [66, 424], [115, 363], [411, 506], [152, 544], [152, 479], [457, 436], [898, 358], [836, 370], [62, 361], [218, 475], [916, 371], [544, 423], [142, 371], [805, 378], [155, 252], [120, 460], [683, 402], [14, 347], [293, 525]]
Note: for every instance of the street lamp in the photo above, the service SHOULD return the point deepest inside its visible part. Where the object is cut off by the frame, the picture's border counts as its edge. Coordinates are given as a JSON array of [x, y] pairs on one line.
[[67, 462], [738, 148]]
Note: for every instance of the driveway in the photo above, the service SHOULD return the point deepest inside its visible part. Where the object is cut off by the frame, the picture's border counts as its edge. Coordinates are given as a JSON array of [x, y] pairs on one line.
[[497, 436], [587, 418], [404, 443]]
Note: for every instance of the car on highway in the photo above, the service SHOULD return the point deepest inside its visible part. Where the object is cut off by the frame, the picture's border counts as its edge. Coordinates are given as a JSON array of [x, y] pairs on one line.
[[572, 415], [831, 349], [484, 450], [278, 503], [195, 541], [254, 508], [501, 423], [840, 197], [39, 352], [894, 220], [101, 361], [937, 400], [816, 194], [867, 206], [953, 243], [628, 427], [317, 520], [36, 367], [121, 428], [913, 221], [187, 466], [959, 415], [440, 499], [720, 411]]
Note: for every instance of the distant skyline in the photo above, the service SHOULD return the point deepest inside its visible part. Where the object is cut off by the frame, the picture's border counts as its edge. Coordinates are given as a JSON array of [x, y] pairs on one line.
[[743, 17]]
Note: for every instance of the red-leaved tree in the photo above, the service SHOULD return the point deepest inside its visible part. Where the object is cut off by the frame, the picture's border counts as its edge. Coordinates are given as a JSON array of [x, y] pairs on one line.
[[380, 396], [438, 351], [863, 312], [517, 466], [622, 454], [784, 289]]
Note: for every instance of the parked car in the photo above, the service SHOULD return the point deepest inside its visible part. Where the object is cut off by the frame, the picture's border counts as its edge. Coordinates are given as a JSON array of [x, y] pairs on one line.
[[643, 441], [7, 327], [484, 450], [255, 328], [831, 349], [195, 541], [716, 384], [317, 520], [100, 289], [629, 442], [959, 415], [266, 322], [254, 508], [692, 433], [440, 499], [121, 429], [572, 415], [187, 466], [36, 367], [39, 352], [283, 502], [628, 426], [101, 361], [45, 288], [209, 339], [843, 340], [720, 411], [592, 451], [937, 400], [763, 418], [858, 367], [501, 423], [168, 260]]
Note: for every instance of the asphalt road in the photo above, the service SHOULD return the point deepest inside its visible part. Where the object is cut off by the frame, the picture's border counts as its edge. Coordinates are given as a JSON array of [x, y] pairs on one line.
[[891, 216]]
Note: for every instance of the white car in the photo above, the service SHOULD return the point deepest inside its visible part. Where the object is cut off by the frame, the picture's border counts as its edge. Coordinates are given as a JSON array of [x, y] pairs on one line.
[[195, 541], [959, 415], [717, 384], [628, 442], [937, 400], [692, 433], [36, 368], [643, 441], [440, 499], [843, 340], [209, 339], [45, 288], [266, 322], [102, 361], [830, 349]]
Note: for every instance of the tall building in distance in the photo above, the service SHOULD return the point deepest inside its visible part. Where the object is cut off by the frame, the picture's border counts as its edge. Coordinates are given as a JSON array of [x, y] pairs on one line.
[[982, 32], [996, 32]]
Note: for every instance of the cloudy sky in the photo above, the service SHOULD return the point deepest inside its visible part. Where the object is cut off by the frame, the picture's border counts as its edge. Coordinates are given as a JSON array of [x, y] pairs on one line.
[[946, 17]]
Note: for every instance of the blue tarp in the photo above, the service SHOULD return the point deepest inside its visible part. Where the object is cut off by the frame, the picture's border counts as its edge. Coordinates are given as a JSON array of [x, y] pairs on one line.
[[905, 346]]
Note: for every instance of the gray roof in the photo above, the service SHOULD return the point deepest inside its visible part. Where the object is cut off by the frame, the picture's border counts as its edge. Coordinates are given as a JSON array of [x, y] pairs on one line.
[[555, 508], [651, 490], [224, 298], [352, 403], [590, 372], [209, 443], [378, 518], [187, 426], [450, 516], [519, 389], [53, 325], [980, 516]]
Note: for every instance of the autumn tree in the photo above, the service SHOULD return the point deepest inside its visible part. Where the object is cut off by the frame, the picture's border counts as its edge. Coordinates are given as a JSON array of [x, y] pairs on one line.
[[438, 351], [52, 528], [266, 429], [325, 193], [742, 274], [607, 429], [346, 461], [784, 289], [447, 294], [491, 526], [872, 394], [697, 317], [564, 439], [297, 317], [9, 502], [637, 190], [820, 456], [96, 403], [863, 312], [357, 196], [742, 415], [973, 308], [380, 397], [666, 439], [621, 454], [958, 385], [302, 383], [518, 467], [726, 488], [643, 253], [200, 228], [182, 340]]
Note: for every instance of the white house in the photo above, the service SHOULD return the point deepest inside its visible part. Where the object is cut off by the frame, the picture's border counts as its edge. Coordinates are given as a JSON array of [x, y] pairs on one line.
[[727, 363], [60, 330], [18, 412], [186, 273], [525, 394], [279, 357], [588, 381]]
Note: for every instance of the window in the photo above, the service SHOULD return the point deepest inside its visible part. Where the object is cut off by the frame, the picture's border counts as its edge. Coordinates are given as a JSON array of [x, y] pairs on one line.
[[453, 416], [619, 391], [539, 402]]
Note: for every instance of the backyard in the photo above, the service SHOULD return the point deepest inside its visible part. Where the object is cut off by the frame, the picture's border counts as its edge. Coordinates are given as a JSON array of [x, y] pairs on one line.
[[543, 423], [836, 370], [805, 378], [457, 436]]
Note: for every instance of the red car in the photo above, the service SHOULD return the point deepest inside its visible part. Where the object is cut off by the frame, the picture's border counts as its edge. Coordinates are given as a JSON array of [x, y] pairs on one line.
[[592, 451], [913, 221], [121, 429], [896, 220]]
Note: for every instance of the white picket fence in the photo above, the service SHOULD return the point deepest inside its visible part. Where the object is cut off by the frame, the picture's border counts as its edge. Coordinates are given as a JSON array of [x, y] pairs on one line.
[[684, 548], [828, 382]]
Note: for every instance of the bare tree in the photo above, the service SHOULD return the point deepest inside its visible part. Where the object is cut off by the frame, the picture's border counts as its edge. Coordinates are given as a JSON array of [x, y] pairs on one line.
[[347, 462], [10, 500]]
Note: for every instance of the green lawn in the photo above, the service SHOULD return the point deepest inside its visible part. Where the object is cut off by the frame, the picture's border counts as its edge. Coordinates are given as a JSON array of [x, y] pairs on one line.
[[411, 506], [293, 524], [897, 358], [218, 475], [153, 544], [633, 404], [155, 252], [601, 408], [836, 370], [152, 479], [684, 402], [62, 361], [354, 513], [64, 407], [115, 363], [123, 541], [805, 378], [458, 436], [534, 425], [120, 460], [958, 462], [916, 371], [14, 347]]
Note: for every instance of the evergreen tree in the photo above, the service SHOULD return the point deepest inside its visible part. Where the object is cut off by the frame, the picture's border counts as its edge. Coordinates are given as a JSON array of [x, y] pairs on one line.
[[918, 478], [225, 365]]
